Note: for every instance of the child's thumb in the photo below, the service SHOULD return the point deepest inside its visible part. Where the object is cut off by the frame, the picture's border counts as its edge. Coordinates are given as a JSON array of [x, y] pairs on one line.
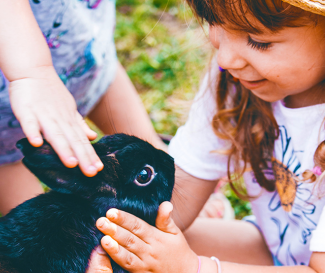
[[164, 222], [99, 262]]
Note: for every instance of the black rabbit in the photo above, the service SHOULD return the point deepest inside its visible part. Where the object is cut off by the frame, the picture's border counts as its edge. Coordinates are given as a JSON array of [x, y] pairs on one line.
[[55, 232]]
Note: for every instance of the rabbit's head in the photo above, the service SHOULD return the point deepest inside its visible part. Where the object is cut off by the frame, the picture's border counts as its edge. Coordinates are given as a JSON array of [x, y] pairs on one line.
[[138, 176]]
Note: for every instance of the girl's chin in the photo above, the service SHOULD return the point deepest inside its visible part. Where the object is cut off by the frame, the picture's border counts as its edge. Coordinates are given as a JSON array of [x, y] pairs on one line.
[[267, 97], [262, 89]]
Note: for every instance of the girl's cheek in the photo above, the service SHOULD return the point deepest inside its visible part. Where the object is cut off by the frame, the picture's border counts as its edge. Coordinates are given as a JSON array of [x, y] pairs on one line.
[[214, 36]]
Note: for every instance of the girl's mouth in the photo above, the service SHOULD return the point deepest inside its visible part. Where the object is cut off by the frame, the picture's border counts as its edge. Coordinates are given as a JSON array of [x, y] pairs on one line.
[[253, 84]]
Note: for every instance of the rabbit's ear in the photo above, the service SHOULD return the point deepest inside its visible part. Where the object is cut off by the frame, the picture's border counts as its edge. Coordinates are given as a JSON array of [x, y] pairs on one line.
[[47, 166]]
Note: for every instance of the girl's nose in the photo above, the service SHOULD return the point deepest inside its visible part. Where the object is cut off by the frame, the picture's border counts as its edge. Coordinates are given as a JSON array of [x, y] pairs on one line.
[[229, 49]]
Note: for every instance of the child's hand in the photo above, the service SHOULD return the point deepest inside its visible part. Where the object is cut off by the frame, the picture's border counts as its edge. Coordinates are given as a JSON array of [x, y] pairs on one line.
[[140, 247], [42, 104]]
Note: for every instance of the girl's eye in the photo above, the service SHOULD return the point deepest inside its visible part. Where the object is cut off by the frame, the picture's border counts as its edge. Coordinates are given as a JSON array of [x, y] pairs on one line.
[[258, 45], [145, 176]]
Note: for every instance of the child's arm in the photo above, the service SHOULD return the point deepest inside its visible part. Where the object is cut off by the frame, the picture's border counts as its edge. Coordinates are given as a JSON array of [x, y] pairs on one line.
[[190, 195], [143, 248], [38, 98], [317, 245], [317, 262]]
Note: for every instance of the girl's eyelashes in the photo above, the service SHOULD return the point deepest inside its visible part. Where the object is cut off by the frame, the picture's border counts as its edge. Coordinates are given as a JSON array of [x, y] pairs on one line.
[[258, 45]]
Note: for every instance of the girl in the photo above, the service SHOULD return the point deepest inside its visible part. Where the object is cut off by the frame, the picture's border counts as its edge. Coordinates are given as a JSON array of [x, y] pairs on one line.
[[48, 47], [262, 116]]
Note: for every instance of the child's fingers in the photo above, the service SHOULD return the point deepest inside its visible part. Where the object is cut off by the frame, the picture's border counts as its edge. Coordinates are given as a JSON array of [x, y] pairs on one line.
[[122, 256], [164, 222], [54, 135], [71, 144], [89, 133], [31, 129], [124, 237], [131, 223], [83, 149], [94, 158]]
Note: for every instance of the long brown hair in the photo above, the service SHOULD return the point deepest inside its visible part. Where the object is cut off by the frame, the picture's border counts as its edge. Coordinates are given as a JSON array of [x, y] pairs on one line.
[[242, 117]]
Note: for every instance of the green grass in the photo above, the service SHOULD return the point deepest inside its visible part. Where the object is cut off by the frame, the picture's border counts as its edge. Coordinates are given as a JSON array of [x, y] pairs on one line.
[[242, 208], [162, 57]]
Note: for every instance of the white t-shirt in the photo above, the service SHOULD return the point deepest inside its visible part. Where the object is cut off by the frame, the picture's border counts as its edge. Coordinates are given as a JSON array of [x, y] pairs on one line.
[[287, 223], [317, 242]]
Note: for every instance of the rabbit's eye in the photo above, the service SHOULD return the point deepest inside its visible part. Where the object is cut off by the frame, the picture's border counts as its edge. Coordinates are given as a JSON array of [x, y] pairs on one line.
[[145, 176]]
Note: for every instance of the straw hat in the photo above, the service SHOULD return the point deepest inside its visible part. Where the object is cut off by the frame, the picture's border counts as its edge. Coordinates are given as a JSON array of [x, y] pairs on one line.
[[315, 6]]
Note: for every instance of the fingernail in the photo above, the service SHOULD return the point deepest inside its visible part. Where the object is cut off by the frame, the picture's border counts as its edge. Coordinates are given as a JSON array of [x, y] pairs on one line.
[[99, 165], [112, 213], [109, 243], [100, 250], [38, 139], [92, 169], [108, 227], [101, 222], [73, 160]]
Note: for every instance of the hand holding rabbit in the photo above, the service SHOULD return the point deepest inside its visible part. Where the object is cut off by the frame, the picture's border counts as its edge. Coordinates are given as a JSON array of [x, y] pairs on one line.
[[139, 247]]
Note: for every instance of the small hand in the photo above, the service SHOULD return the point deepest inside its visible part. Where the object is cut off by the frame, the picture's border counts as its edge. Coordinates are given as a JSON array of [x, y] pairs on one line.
[[140, 247], [42, 104], [99, 262]]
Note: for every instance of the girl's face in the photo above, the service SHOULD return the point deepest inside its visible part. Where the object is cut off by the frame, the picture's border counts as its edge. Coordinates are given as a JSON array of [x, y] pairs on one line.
[[289, 64]]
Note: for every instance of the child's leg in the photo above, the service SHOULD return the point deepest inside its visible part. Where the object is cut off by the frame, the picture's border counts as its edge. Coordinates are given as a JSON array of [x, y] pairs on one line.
[[17, 184], [233, 241], [121, 111]]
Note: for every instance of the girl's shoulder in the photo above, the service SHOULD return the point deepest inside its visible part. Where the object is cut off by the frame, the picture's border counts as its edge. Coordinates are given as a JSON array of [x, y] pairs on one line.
[[195, 147]]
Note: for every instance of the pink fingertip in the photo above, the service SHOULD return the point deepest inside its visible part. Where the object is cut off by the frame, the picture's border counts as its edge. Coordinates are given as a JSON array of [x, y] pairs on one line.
[[73, 160], [100, 250], [37, 141], [168, 205], [92, 169], [110, 244], [112, 213], [100, 222], [92, 135], [99, 165]]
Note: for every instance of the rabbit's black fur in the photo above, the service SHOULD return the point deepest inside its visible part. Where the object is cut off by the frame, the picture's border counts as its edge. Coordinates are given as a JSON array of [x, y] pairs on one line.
[[55, 232]]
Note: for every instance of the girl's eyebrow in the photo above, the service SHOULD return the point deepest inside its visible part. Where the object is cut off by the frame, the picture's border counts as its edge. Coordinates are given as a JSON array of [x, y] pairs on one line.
[[235, 28], [261, 32], [253, 28]]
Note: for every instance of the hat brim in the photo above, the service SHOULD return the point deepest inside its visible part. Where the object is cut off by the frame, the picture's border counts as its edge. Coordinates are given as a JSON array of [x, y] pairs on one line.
[[314, 6]]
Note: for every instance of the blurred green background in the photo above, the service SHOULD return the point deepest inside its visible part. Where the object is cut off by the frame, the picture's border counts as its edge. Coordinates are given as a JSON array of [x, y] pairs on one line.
[[162, 49], [165, 52]]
